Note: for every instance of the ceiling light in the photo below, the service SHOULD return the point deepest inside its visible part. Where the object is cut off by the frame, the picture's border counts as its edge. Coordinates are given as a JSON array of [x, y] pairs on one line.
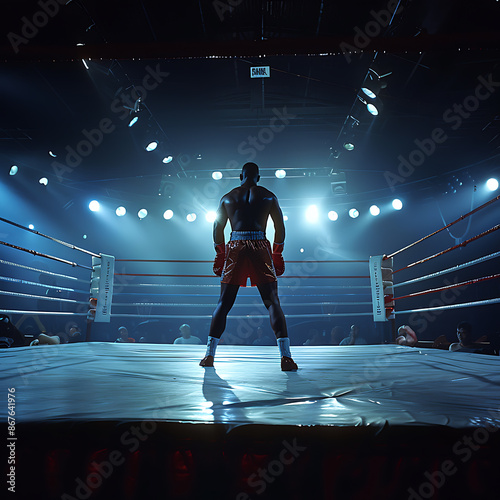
[[133, 121], [168, 159], [372, 109], [492, 184], [312, 214], [31, 226], [168, 214], [216, 176], [333, 215], [13, 170], [353, 213], [152, 146], [94, 206], [43, 181], [280, 174], [191, 217], [397, 204], [51, 153], [142, 213], [349, 146], [374, 210], [121, 211], [211, 216]]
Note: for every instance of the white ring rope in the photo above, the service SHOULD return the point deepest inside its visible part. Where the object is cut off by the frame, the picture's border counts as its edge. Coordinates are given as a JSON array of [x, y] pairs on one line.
[[283, 304], [32, 283], [453, 306], [450, 269], [160, 285], [41, 297], [249, 316], [44, 272], [43, 313]]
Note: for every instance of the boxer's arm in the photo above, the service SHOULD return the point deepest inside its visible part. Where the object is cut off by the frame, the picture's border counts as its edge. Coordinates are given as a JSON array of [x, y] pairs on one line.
[[220, 224], [279, 225]]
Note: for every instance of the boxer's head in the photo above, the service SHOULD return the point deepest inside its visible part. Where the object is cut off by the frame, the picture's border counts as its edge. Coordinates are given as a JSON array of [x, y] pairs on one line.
[[464, 333], [250, 171]]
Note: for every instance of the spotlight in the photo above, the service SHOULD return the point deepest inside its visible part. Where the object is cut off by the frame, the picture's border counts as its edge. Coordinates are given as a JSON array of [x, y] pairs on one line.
[[13, 170], [371, 85], [301, 250], [43, 181], [312, 214], [168, 214], [374, 210], [121, 211], [85, 64], [349, 146], [152, 146], [285, 218], [372, 109], [492, 184], [31, 226], [217, 176], [52, 154], [94, 206], [191, 217], [280, 174], [353, 213], [333, 215], [84, 236], [134, 120], [211, 216], [397, 204], [142, 213], [168, 159]]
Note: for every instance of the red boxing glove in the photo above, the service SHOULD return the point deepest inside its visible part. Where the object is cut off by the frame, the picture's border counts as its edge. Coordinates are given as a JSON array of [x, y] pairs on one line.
[[279, 263], [220, 257]]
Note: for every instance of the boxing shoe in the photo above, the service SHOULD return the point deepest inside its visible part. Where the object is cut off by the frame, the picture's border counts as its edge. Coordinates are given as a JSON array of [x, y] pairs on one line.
[[207, 361], [288, 364]]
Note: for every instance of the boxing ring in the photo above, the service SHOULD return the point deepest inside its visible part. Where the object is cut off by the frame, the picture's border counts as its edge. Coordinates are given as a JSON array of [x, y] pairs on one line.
[[99, 419]]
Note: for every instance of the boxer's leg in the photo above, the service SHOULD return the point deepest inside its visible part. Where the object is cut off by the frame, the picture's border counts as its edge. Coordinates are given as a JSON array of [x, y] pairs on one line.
[[227, 297], [269, 294]]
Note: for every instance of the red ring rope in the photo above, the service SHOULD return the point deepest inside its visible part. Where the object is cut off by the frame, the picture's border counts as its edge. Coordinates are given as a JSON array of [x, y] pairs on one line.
[[211, 261], [464, 243], [443, 228], [448, 287]]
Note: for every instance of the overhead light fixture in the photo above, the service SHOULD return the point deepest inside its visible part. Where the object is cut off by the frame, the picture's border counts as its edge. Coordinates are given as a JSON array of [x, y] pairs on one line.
[[371, 86], [168, 159], [121, 211], [349, 146], [280, 174], [13, 170], [168, 214], [397, 204], [43, 181], [191, 217], [51, 153], [333, 216], [94, 206], [152, 146], [372, 109], [31, 226], [285, 218], [142, 213], [133, 121], [353, 213], [85, 64], [312, 214], [216, 176], [492, 184], [374, 210]]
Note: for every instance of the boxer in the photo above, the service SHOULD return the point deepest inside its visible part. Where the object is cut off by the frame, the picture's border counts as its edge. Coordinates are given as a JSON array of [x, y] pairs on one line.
[[248, 254]]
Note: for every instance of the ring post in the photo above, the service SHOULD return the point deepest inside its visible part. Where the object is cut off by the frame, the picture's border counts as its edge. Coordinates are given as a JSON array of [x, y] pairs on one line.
[[101, 291], [382, 285]]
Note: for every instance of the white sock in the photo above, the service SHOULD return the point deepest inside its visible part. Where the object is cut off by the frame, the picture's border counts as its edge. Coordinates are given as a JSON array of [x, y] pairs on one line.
[[284, 346], [211, 346]]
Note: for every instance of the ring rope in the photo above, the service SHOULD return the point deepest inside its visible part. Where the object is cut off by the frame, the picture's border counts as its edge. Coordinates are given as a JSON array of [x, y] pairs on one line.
[[69, 245], [162, 304], [450, 269], [443, 228], [32, 283], [38, 254], [211, 261], [453, 306], [209, 316], [213, 276], [43, 271], [37, 313], [448, 287], [41, 297], [464, 243], [167, 285]]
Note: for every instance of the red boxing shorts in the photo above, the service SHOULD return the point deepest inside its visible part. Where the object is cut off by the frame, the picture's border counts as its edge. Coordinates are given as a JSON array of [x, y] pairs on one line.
[[248, 255]]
